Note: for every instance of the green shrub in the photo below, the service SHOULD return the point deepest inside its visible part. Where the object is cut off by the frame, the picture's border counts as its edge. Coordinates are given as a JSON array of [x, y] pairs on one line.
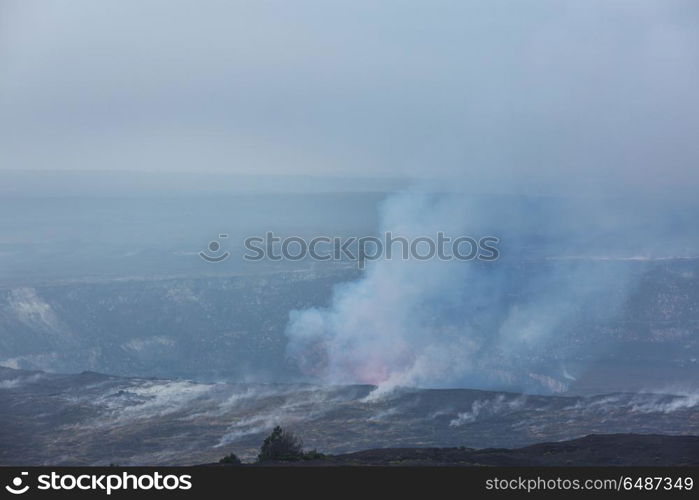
[[231, 459], [281, 445], [313, 455]]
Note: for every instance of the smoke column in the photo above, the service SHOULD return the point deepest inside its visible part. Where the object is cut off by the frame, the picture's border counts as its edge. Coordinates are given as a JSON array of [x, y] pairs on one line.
[[501, 324]]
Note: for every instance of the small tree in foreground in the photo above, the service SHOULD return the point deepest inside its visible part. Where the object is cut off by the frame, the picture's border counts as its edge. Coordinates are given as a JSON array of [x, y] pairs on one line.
[[281, 445], [231, 459]]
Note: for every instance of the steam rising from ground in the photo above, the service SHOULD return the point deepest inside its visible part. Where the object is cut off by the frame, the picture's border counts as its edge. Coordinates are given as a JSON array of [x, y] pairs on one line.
[[489, 407], [474, 324], [96, 419]]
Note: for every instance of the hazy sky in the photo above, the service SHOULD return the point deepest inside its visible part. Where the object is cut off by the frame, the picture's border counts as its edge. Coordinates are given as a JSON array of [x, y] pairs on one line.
[[584, 93]]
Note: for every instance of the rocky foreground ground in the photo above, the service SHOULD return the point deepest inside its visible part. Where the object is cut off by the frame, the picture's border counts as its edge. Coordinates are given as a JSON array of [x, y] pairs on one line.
[[592, 450]]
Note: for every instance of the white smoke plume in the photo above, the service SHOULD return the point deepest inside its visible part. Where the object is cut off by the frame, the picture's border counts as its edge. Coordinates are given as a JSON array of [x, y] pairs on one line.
[[471, 323]]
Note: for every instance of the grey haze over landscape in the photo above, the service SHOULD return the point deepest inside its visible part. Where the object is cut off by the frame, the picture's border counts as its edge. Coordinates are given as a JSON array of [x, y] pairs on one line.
[[132, 134], [544, 95]]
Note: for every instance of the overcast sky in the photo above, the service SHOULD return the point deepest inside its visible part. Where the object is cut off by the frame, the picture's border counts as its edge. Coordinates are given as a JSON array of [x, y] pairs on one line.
[[552, 92]]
